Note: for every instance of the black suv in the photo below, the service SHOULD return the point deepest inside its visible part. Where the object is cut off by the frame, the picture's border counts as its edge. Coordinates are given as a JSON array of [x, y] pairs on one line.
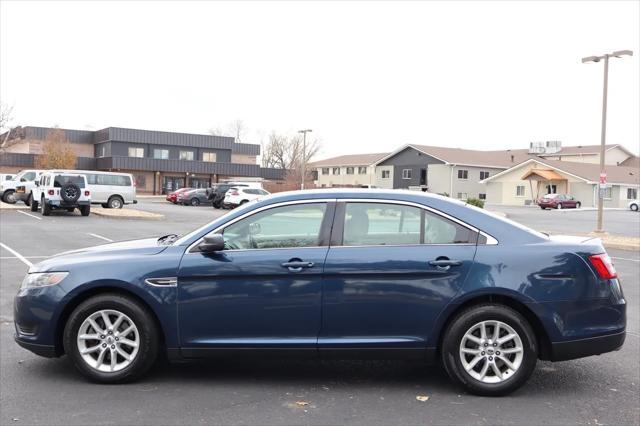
[[217, 192]]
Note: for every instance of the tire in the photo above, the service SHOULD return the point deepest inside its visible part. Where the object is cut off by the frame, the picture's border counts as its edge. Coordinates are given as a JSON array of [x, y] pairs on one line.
[[29, 199], [104, 205], [85, 210], [145, 334], [454, 338], [9, 197], [543, 208], [195, 202], [70, 192], [634, 207], [34, 206], [115, 202], [559, 206], [45, 208], [578, 205], [70, 209]]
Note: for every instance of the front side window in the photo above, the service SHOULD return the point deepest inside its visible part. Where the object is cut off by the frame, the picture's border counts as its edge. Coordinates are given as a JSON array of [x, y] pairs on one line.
[[372, 224], [209, 157], [406, 174], [336, 170], [136, 152], [161, 154], [186, 155], [463, 174], [325, 170], [520, 191], [632, 193], [350, 170], [280, 227], [362, 170]]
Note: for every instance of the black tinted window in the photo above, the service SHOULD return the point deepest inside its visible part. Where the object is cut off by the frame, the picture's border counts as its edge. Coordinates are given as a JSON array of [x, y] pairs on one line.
[[60, 181]]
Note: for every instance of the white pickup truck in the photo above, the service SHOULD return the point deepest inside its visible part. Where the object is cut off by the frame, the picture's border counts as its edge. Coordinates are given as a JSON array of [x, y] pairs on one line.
[[61, 191], [19, 187]]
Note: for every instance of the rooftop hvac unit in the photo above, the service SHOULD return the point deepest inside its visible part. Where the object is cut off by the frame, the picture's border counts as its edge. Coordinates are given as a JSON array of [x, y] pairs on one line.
[[547, 147]]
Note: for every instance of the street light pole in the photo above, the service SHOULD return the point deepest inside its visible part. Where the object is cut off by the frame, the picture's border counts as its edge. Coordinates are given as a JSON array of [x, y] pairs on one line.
[[603, 129], [303, 159]]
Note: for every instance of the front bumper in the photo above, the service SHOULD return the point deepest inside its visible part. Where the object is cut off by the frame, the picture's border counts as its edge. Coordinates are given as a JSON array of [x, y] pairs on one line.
[[563, 351], [47, 351]]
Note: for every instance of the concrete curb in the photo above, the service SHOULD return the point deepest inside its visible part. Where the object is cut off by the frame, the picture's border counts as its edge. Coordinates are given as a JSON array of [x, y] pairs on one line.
[[17, 206], [126, 214]]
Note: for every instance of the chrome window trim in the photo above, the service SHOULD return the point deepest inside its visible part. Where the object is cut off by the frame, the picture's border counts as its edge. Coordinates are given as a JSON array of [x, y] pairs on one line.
[[162, 281], [251, 213], [490, 239]]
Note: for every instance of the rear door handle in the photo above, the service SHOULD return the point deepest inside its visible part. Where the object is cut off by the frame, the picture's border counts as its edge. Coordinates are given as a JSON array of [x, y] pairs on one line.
[[297, 265], [445, 263]]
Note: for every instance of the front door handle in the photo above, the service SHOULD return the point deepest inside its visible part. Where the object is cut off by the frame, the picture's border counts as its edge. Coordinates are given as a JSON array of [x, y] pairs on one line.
[[297, 265], [444, 264]]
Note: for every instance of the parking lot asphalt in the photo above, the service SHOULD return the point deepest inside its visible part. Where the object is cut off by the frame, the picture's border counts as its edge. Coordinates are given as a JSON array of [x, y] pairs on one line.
[[33, 390]]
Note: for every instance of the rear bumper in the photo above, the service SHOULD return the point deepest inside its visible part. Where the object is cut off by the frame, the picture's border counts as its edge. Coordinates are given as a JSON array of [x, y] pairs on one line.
[[562, 351]]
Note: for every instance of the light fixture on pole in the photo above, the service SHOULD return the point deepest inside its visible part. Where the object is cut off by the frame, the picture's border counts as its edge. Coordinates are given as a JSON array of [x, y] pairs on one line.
[[603, 130], [303, 159]]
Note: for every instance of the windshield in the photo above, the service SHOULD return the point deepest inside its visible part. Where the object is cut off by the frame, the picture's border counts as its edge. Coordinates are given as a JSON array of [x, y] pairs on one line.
[[551, 196]]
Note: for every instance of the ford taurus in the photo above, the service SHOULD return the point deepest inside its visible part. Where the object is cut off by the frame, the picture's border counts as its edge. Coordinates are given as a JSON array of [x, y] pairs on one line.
[[350, 273]]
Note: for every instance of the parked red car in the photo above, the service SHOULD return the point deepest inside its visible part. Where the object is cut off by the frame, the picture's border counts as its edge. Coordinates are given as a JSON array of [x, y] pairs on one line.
[[173, 196], [558, 201]]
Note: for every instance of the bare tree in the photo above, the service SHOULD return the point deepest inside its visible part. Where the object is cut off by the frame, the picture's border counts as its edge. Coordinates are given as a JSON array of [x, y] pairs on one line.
[[285, 152], [6, 115], [236, 129], [57, 152]]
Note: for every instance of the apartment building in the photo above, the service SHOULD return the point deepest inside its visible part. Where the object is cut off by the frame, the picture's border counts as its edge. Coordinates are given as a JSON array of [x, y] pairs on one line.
[[160, 161], [346, 171]]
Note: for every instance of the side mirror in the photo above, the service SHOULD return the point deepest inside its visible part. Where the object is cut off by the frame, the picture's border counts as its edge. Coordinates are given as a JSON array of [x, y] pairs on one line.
[[212, 243], [22, 179]]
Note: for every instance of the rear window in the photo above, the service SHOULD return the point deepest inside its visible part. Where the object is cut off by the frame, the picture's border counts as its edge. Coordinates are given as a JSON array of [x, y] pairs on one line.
[[60, 181]]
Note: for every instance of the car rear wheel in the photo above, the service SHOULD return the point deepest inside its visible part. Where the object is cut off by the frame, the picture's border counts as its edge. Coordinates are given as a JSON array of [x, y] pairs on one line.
[[45, 208], [34, 206], [634, 207], [111, 339], [559, 206], [578, 205], [115, 202], [489, 349], [29, 200], [195, 202]]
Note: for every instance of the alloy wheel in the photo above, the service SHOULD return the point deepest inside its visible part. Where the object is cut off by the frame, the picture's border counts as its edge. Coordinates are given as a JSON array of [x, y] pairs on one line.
[[108, 341], [491, 352]]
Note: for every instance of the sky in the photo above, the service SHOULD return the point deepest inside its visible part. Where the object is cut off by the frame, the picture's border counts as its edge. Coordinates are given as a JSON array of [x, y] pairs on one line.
[[364, 76]]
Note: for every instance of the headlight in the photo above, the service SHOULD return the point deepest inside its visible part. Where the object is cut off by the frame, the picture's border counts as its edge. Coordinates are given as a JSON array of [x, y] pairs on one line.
[[42, 279]]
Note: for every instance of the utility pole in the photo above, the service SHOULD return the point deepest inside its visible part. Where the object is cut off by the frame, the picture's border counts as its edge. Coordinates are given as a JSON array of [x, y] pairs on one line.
[[303, 159], [603, 130]]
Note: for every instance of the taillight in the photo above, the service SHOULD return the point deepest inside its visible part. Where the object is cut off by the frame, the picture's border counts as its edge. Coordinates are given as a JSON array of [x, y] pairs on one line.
[[50, 192], [87, 193], [603, 266], [234, 193]]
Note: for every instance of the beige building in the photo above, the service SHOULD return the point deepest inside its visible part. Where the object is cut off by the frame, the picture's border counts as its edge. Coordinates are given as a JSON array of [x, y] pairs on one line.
[[346, 171], [524, 183]]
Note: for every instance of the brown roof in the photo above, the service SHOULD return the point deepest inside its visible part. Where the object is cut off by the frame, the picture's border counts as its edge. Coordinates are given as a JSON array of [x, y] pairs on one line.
[[500, 159], [544, 174], [631, 162], [350, 160], [580, 149]]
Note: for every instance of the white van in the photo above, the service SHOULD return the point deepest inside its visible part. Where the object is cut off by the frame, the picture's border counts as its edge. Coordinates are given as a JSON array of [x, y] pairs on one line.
[[109, 189]]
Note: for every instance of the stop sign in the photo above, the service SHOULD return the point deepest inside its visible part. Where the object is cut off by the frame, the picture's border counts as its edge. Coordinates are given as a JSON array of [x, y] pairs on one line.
[[603, 177]]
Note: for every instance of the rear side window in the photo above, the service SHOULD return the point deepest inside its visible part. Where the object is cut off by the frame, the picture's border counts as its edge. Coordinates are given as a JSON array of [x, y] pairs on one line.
[[60, 181], [368, 224], [115, 180]]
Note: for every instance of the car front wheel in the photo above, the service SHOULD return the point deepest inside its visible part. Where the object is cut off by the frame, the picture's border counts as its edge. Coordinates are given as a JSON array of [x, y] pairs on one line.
[[578, 205], [489, 349], [111, 339], [634, 207]]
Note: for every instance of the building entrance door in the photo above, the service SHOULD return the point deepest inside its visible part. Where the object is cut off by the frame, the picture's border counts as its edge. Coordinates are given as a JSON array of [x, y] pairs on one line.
[[171, 183]]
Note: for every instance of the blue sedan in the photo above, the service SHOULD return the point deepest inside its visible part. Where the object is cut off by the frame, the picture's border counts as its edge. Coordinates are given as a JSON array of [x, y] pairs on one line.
[[349, 273]]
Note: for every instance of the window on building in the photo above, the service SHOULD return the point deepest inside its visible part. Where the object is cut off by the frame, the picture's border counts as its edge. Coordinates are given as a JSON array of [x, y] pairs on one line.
[[482, 196], [520, 191], [336, 170], [607, 193], [386, 174], [462, 196], [632, 193], [484, 175], [362, 170], [463, 174], [209, 157], [136, 152], [102, 151], [161, 154], [325, 170], [349, 170], [406, 174], [186, 155]]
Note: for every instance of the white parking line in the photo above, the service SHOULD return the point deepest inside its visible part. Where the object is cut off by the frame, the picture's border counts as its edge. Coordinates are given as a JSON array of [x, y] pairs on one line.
[[29, 214], [624, 258], [100, 236], [16, 254], [26, 257]]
